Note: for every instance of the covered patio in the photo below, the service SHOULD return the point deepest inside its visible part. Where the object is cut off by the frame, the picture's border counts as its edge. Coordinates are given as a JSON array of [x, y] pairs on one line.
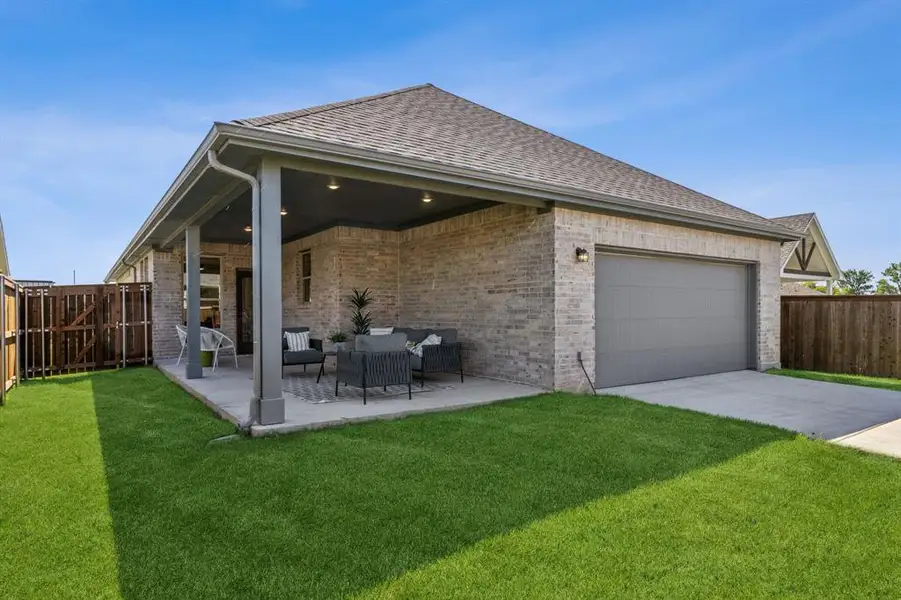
[[264, 230], [312, 405]]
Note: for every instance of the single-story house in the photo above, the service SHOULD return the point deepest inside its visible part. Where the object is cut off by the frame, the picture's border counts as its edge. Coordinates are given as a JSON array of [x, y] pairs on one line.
[[809, 259], [554, 262]]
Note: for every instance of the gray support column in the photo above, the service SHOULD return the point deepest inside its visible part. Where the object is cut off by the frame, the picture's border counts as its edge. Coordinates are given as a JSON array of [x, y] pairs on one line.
[[268, 405], [193, 369]]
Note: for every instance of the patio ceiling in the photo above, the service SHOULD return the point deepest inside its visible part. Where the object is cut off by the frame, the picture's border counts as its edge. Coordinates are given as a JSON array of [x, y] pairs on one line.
[[311, 206]]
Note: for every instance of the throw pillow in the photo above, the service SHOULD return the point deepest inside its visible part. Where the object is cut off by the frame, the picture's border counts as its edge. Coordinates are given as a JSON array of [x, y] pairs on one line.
[[431, 340], [298, 342]]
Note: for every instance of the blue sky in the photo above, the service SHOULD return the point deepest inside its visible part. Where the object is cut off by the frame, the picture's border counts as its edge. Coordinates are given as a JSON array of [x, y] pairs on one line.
[[777, 106]]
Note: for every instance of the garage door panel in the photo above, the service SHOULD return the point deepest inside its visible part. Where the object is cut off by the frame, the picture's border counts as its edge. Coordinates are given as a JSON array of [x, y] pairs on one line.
[[662, 318]]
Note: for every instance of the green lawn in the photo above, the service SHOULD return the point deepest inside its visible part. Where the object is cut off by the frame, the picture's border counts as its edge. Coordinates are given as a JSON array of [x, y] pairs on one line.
[[110, 488], [886, 383]]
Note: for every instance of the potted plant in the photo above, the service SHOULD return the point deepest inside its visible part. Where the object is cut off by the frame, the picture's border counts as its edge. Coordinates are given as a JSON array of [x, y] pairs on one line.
[[360, 318], [338, 338]]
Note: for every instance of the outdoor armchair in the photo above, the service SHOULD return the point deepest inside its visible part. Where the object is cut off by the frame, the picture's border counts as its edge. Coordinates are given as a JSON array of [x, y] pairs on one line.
[[312, 356], [376, 361]]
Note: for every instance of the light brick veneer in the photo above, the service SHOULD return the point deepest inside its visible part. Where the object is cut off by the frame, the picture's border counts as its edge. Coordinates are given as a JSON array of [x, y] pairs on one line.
[[575, 294], [506, 277], [168, 269], [490, 274]]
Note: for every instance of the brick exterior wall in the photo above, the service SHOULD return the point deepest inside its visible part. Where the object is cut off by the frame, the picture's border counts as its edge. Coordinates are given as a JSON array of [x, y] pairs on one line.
[[368, 258], [168, 297], [321, 313], [168, 270], [506, 277], [575, 294], [490, 274]]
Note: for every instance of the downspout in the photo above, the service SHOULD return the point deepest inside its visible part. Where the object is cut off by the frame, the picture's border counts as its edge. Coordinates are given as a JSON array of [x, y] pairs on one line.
[[134, 270], [213, 158], [254, 184]]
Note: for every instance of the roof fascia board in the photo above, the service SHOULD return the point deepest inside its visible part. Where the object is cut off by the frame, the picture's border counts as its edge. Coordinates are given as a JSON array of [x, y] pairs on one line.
[[804, 277], [209, 209], [816, 230]]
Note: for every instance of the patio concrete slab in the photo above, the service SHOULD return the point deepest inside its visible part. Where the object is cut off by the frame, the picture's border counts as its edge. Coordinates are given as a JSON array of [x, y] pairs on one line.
[[815, 408], [228, 391]]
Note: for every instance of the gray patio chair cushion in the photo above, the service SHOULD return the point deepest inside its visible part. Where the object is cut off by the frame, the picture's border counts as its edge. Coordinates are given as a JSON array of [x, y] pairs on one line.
[[448, 336], [291, 330], [413, 335], [381, 343], [415, 362], [304, 357]]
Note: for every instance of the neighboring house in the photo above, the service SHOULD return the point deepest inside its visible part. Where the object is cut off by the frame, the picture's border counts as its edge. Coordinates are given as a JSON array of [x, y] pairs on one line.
[[794, 288], [541, 252], [807, 259], [4, 258]]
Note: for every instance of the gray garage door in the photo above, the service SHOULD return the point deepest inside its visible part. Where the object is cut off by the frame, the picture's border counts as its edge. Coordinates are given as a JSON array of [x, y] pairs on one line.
[[662, 318]]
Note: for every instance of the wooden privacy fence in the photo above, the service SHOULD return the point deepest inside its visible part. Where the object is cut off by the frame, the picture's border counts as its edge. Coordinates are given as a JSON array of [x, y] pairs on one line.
[[859, 335], [9, 329], [71, 328]]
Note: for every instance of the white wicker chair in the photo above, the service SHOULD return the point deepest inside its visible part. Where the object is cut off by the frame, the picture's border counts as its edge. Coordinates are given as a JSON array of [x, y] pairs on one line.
[[211, 340]]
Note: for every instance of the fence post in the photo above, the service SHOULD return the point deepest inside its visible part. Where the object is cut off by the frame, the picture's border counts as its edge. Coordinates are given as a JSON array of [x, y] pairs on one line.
[[18, 362], [124, 329], [43, 336], [144, 304], [25, 344], [3, 340]]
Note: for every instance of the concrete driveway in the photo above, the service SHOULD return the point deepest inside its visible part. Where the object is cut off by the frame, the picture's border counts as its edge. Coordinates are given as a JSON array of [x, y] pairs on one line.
[[815, 408]]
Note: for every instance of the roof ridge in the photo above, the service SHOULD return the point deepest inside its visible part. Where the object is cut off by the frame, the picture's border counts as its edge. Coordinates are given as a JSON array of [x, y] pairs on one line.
[[320, 108], [591, 150]]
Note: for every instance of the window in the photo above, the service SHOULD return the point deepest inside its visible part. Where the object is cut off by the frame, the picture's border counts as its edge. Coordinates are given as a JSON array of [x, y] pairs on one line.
[[306, 274], [210, 286]]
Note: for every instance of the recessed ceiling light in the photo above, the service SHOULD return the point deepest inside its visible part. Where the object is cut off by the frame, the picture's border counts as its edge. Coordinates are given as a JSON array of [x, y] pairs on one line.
[[248, 228], [333, 183], [283, 211], [426, 197]]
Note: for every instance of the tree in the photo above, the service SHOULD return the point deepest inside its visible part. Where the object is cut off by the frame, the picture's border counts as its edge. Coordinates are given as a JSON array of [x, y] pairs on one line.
[[893, 274], [857, 282], [885, 288]]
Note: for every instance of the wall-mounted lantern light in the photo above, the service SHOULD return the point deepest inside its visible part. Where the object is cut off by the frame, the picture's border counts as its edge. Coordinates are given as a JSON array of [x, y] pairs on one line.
[[581, 255]]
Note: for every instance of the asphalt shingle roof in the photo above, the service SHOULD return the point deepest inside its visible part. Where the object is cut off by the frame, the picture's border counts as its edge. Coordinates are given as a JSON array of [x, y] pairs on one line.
[[797, 223], [425, 122]]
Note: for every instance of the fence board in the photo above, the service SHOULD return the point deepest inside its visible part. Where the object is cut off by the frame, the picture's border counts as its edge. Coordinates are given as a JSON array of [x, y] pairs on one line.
[[860, 335], [9, 326], [73, 328]]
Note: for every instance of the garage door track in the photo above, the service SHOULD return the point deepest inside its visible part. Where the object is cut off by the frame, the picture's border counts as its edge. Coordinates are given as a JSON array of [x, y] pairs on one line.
[[815, 408]]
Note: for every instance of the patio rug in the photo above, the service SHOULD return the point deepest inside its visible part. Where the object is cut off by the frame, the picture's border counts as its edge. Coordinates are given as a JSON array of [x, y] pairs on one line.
[[304, 387]]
